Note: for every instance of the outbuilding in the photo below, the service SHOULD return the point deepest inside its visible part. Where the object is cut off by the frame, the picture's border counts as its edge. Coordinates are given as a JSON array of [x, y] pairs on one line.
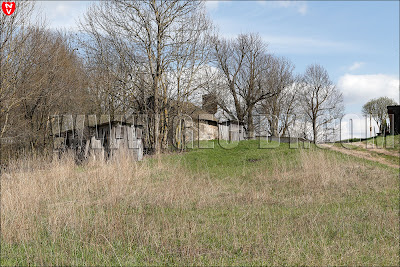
[[394, 117]]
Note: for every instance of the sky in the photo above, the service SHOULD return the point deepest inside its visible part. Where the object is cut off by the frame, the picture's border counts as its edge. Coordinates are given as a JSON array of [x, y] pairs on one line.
[[356, 41]]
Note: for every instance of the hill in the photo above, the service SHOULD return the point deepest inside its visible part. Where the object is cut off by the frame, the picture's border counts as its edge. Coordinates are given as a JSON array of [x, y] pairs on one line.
[[239, 206]]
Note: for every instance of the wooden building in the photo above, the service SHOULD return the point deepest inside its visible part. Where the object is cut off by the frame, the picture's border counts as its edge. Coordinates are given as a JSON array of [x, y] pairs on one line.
[[101, 139]]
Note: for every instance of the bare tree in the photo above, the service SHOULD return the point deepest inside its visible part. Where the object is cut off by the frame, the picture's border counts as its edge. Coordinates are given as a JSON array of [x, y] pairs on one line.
[[283, 106], [228, 62], [244, 65], [52, 81], [41, 75], [13, 34], [152, 39], [321, 102], [377, 108]]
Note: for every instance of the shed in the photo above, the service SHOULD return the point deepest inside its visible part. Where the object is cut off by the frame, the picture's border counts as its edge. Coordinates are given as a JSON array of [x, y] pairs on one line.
[[394, 116], [103, 138]]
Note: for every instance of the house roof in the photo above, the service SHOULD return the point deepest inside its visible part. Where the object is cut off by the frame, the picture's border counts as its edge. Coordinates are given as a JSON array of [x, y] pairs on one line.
[[110, 122], [195, 112], [393, 109], [59, 126]]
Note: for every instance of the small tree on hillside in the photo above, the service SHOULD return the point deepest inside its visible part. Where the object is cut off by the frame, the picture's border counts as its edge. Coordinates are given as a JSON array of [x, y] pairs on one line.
[[322, 103], [377, 108]]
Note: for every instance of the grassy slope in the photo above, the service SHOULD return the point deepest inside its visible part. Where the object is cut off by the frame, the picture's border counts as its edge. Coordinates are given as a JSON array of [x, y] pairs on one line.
[[389, 142], [209, 206]]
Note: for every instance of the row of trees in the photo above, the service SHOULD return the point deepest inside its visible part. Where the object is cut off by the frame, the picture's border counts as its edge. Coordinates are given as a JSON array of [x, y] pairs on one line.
[[252, 81], [151, 57]]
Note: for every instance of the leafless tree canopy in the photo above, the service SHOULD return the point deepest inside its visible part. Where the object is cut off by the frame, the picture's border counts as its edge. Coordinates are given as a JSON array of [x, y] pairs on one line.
[[377, 108], [320, 100], [13, 34], [147, 52], [41, 75], [281, 108], [245, 76]]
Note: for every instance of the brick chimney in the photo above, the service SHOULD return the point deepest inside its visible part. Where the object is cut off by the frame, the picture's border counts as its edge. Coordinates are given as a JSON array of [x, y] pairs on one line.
[[210, 103]]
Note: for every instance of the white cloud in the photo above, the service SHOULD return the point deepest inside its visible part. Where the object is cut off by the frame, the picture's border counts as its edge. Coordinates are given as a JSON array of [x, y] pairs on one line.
[[306, 45], [212, 5], [302, 9], [61, 14], [62, 10], [356, 65], [299, 6], [358, 89]]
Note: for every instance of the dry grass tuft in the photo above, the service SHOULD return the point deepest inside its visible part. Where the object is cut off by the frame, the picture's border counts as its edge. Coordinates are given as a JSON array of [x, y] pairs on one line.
[[324, 211]]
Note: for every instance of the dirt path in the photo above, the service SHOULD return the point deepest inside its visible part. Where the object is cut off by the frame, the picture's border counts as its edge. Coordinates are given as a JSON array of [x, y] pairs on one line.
[[373, 147], [364, 154]]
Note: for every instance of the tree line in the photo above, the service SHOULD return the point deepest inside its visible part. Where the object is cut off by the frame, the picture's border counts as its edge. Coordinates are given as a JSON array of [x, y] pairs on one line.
[[151, 57]]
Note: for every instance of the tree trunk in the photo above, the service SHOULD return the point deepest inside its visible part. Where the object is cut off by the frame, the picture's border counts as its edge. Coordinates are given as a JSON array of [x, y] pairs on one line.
[[315, 132], [250, 123], [165, 129]]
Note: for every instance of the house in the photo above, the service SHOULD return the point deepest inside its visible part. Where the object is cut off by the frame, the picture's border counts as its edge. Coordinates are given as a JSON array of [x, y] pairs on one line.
[[206, 126], [394, 117]]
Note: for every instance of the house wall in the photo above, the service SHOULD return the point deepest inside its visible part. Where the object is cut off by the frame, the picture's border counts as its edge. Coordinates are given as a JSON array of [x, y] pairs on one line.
[[207, 131], [122, 139], [231, 132], [105, 142]]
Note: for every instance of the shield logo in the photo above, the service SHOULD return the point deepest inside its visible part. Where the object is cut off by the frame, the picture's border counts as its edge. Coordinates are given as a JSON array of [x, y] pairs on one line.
[[8, 7]]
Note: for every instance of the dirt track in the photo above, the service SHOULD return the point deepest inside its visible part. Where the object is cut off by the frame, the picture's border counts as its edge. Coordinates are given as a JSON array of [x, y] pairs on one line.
[[374, 148], [366, 154]]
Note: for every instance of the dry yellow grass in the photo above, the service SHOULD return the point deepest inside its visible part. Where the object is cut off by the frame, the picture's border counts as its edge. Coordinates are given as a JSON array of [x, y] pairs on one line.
[[322, 210]]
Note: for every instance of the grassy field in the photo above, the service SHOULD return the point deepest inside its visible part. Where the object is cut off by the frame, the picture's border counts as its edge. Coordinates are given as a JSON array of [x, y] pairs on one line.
[[240, 206]]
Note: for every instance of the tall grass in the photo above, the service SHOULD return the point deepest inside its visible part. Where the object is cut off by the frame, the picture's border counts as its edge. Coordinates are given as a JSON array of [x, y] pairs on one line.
[[316, 209]]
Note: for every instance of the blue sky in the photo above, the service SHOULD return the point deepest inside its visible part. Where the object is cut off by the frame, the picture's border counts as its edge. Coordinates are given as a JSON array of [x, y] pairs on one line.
[[335, 34], [356, 41]]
